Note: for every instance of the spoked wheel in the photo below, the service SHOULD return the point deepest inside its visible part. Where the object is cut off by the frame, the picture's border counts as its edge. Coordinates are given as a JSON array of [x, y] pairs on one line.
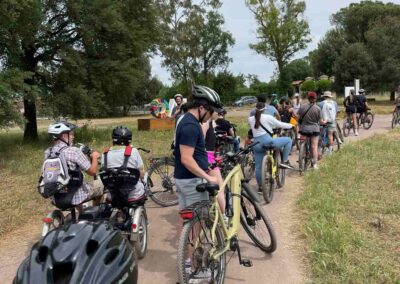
[[368, 120], [280, 173], [339, 132], [53, 220], [248, 166], [267, 179], [395, 120], [346, 128], [304, 159], [195, 244], [140, 244], [257, 225], [336, 143], [161, 182]]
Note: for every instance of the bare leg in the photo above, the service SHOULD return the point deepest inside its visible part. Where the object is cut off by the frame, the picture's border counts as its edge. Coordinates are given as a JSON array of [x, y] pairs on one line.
[[314, 148]]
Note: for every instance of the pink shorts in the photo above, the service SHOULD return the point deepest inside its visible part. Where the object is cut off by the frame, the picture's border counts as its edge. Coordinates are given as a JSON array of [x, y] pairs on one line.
[[211, 158]]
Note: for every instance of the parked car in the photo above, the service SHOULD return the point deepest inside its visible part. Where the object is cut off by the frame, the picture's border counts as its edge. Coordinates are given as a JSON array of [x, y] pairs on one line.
[[247, 100]]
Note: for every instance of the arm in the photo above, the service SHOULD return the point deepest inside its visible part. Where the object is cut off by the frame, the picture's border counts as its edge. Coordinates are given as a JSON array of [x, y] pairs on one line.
[[279, 124], [92, 170], [189, 162]]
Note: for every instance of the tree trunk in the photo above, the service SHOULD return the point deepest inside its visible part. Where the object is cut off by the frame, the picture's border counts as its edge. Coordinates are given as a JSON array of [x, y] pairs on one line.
[[205, 69], [30, 117], [392, 95]]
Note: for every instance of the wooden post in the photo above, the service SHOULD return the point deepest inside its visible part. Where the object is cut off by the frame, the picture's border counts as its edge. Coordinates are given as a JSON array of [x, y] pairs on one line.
[[145, 124]]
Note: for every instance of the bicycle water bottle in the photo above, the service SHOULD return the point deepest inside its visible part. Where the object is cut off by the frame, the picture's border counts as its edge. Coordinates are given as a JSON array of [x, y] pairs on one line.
[[229, 203]]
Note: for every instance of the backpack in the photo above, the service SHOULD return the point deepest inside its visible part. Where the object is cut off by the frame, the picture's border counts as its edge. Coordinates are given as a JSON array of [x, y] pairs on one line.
[[358, 101], [119, 181], [55, 174], [329, 111]]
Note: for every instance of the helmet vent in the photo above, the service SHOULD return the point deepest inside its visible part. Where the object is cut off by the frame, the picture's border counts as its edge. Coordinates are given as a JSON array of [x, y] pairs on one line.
[[68, 238], [111, 256], [91, 247], [42, 255], [63, 272]]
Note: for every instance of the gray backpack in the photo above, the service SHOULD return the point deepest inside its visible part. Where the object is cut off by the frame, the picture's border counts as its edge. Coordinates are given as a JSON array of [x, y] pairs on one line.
[[55, 175]]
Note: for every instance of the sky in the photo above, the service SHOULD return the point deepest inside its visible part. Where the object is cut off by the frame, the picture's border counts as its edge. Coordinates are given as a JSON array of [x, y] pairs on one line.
[[240, 22]]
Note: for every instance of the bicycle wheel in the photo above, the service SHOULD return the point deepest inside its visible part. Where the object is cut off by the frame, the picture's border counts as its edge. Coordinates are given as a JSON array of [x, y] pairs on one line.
[[248, 166], [346, 128], [195, 243], [267, 179], [141, 244], [280, 173], [395, 120], [303, 157], [336, 144], [339, 132], [257, 225], [161, 182], [368, 120]]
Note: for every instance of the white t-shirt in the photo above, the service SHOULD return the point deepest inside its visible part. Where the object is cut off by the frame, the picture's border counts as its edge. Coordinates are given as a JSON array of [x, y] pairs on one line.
[[269, 122]]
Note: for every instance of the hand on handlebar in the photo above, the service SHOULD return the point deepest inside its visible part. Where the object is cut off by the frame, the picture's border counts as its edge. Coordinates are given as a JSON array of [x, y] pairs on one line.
[[95, 155]]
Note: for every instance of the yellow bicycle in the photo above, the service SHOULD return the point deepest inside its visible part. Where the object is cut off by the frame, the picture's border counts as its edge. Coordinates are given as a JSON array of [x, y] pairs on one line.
[[206, 236]]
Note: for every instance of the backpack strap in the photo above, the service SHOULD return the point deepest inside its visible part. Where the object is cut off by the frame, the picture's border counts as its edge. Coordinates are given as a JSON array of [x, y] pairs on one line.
[[127, 155]]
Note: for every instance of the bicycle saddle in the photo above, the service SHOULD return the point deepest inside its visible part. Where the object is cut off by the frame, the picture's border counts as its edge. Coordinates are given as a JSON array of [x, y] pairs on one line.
[[212, 188], [268, 147]]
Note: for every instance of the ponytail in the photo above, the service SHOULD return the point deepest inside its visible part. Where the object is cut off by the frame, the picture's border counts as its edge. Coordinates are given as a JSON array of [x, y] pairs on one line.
[[257, 116]]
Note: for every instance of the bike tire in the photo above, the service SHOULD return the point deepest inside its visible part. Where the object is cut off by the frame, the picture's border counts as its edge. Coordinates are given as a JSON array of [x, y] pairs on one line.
[[161, 183], [339, 132], [280, 173], [368, 120], [141, 244], [346, 128], [302, 157], [267, 180], [395, 120], [336, 145], [203, 225], [252, 216]]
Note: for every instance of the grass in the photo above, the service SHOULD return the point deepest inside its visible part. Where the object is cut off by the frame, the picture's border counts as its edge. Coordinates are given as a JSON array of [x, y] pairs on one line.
[[351, 214]]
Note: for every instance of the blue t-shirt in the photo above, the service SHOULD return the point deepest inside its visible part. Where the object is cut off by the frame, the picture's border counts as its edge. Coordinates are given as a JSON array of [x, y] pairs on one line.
[[189, 133]]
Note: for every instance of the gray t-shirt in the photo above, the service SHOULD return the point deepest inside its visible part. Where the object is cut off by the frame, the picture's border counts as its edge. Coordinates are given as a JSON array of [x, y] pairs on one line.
[[115, 159], [311, 119], [271, 110]]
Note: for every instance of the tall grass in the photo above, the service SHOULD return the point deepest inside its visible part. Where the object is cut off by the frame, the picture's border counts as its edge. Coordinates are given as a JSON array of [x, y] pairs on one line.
[[352, 214]]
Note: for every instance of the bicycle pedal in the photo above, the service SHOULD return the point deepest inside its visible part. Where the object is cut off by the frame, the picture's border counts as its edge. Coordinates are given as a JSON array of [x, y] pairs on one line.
[[246, 262]]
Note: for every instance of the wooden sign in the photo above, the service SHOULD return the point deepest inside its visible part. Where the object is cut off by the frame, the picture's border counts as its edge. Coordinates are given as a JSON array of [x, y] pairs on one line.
[[145, 124]]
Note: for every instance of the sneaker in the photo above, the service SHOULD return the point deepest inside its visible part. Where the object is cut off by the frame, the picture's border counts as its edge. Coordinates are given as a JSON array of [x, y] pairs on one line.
[[315, 167], [260, 190], [286, 165], [356, 133]]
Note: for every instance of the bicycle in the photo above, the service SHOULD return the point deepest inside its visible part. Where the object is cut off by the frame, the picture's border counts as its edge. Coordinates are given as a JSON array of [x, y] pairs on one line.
[[272, 176], [396, 117], [366, 119], [292, 134], [305, 156], [161, 181], [323, 143], [206, 238]]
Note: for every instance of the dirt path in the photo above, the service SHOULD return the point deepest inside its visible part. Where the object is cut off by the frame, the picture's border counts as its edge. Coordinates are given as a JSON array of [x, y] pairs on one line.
[[285, 265]]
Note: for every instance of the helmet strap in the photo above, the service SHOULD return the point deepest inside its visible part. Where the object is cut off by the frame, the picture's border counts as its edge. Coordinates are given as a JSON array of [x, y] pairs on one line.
[[201, 117]]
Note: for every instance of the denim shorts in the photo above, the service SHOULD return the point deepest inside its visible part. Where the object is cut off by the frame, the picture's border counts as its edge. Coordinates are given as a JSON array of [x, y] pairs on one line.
[[187, 193]]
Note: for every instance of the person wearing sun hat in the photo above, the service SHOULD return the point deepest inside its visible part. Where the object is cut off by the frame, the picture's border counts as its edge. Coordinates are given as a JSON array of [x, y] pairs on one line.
[[329, 109]]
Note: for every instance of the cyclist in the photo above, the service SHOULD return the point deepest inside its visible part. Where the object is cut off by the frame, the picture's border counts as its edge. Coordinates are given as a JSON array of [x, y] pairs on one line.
[[329, 109], [351, 110], [309, 119], [362, 105], [77, 191], [274, 101], [269, 109], [288, 113], [224, 125], [191, 163], [176, 110], [262, 127], [397, 105], [114, 158]]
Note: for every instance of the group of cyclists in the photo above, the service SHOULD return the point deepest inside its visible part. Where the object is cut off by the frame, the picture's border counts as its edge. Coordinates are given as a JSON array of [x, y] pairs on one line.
[[195, 148]]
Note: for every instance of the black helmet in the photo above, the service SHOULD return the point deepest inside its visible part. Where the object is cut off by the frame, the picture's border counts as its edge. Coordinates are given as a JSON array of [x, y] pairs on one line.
[[80, 253], [202, 93], [121, 135]]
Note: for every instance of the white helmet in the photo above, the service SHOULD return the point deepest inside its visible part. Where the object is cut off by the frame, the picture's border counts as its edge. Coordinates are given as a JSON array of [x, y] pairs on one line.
[[208, 94], [59, 128], [178, 95]]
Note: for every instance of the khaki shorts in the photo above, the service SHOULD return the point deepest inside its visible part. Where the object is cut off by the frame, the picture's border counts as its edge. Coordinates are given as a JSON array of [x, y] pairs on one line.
[[96, 189]]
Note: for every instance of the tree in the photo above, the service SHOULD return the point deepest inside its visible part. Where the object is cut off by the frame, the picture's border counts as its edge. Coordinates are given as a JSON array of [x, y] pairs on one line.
[[298, 69], [214, 43], [281, 29], [355, 62], [308, 86], [225, 85]]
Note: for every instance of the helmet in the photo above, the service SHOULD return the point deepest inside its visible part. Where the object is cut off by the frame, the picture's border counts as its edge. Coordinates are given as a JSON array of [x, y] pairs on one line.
[[221, 111], [208, 94], [312, 95], [296, 95], [178, 96], [60, 127], [361, 91], [80, 253], [352, 91], [121, 135]]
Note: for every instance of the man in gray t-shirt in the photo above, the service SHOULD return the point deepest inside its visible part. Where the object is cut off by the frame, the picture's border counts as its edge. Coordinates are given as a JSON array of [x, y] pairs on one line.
[[310, 117], [122, 137]]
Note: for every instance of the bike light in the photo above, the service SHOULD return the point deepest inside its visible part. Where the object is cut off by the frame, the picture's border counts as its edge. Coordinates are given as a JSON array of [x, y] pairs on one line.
[[134, 226], [186, 214], [47, 220]]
